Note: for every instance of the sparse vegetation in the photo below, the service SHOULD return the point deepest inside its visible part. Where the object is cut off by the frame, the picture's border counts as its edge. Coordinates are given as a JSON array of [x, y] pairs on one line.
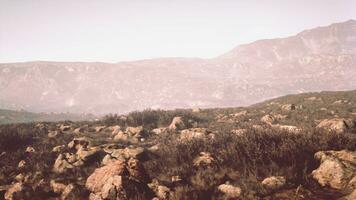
[[242, 158]]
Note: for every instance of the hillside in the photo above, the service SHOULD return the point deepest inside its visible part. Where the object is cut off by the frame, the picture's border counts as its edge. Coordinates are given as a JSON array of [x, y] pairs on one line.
[[10, 117], [313, 60], [292, 147]]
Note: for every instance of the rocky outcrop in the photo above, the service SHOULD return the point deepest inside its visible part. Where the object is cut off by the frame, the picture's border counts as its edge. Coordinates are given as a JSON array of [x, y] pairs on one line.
[[268, 119], [337, 171], [117, 180], [338, 125], [193, 133], [78, 143], [230, 191], [177, 124], [19, 191], [204, 159], [30, 150], [63, 127], [274, 183], [53, 134]]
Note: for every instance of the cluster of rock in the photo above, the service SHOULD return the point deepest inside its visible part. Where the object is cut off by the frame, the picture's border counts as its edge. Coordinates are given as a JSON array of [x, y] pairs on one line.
[[337, 125]]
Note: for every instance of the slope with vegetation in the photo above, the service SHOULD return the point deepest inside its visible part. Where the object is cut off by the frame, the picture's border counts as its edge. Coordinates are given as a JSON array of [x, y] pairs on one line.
[[11, 117], [293, 147]]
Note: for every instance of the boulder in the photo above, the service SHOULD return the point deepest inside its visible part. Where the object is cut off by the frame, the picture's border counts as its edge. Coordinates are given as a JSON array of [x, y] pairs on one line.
[[337, 170], [100, 176], [19, 191], [134, 131], [61, 164], [78, 143], [115, 181], [176, 124], [22, 164], [193, 133], [338, 125], [204, 159], [288, 128], [63, 127], [87, 153], [53, 134], [72, 192], [114, 129], [79, 130], [230, 191], [58, 149], [30, 150], [128, 152], [268, 119], [99, 128], [274, 183], [158, 131], [57, 187], [239, 114]]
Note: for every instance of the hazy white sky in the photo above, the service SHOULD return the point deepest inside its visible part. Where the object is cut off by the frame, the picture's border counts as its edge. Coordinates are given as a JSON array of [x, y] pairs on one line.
[[117, 30]]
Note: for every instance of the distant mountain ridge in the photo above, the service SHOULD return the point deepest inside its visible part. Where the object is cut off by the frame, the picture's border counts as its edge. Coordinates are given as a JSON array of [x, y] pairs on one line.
[[21, 116], [318, 59]]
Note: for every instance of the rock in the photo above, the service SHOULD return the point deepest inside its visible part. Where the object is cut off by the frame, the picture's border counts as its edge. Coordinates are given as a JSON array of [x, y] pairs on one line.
[[338, 125], [337, 170], [176, 124], [57, 187], [268, 119], [115, 181], [78, 143], [58, 149], [100, 176], [109, 148], [22, 164], [134, 131], [158, 131], [72, 192], [204, 159], [137, 170], [114, 129], [30, 150], [61, 164], [239, 114], [274, 183], [53, 134], [288, 128], [175, 179], [230, 191], [154, 148], [163, 192], [128, 153], [124, 137], [78, 130], [19, 191], [193, 133], [87, 153], [63, 127], [107, 159], [99, 128]]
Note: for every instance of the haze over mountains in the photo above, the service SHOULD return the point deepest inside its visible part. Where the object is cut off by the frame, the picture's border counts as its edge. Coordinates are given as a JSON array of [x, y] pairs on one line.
[[323, 58]]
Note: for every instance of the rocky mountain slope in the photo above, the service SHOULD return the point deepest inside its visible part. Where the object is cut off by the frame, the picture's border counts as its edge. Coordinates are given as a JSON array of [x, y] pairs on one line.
[[11, 117], [313, 60], [292, 148]]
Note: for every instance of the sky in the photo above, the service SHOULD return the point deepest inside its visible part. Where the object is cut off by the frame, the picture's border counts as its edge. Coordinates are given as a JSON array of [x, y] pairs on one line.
[[123, 30]]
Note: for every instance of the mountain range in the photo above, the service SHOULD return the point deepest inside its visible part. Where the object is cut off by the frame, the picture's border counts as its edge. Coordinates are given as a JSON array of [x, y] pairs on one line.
[[318, 59]]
